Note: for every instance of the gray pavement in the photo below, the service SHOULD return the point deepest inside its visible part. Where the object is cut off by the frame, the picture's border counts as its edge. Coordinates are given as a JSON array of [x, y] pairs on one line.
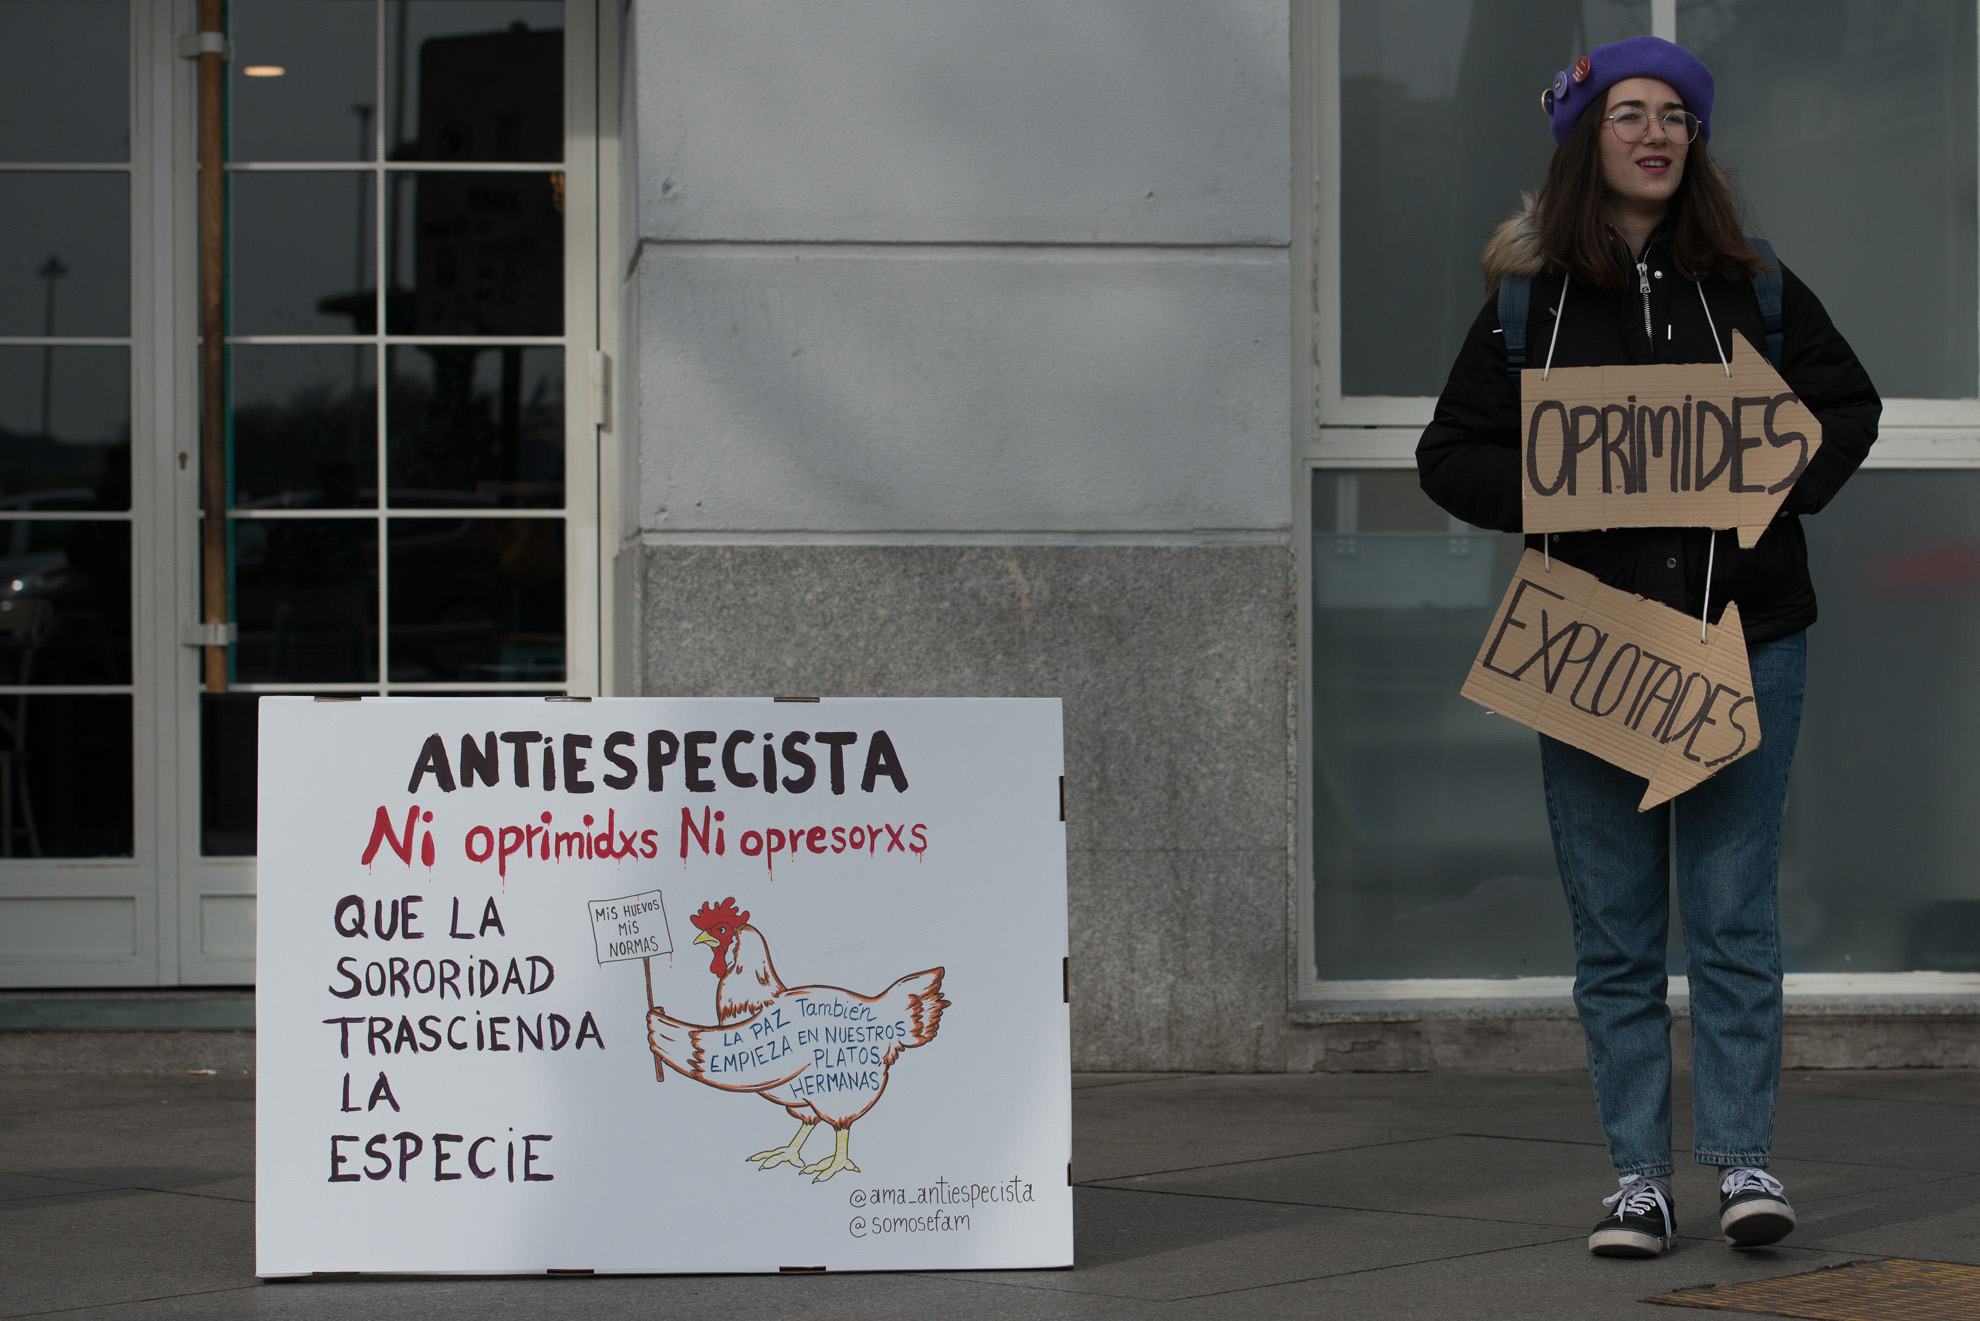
[[130, 1195]]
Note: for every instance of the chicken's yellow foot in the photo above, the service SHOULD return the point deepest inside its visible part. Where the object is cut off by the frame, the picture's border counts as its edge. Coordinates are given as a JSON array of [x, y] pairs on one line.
[[837, 1161], [786, 1154]]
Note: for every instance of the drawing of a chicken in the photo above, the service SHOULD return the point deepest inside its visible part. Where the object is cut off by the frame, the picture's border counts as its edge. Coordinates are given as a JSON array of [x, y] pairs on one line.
[[821, 1052]]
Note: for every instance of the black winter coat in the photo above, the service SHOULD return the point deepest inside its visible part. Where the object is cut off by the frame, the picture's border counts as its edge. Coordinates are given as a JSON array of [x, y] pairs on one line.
[[1468, 458]]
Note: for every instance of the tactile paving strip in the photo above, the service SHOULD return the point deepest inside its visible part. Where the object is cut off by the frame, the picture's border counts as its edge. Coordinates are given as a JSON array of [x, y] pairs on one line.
[[1893, 1290]]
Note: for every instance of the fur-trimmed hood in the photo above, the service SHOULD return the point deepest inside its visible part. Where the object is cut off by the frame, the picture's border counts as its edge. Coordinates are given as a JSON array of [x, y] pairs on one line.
[[1514, 248]]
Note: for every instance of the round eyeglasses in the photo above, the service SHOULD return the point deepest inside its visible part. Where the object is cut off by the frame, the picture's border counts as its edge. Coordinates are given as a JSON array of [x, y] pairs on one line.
[[1680, 126]]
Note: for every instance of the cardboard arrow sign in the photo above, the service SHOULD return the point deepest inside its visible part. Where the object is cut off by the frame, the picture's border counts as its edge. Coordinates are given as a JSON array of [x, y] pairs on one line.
[[1616, 675], [1662, 445]]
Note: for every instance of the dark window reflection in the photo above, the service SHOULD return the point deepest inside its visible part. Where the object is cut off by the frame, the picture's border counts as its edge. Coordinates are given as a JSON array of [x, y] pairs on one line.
[[306, 598], [65, 96], [65, 254], [1430, 162], [477, 600], [301, 245], [65, 602], [229, 725], [472, 426], [1880, 847], [1881, 94], [65, 428], [1431, 856], [65, 777], [481, 81], [320, 107], [477, 254], [305, 426]]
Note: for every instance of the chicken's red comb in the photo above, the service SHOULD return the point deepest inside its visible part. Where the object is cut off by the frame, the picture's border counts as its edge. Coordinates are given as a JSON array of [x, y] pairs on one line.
[[709, 918]]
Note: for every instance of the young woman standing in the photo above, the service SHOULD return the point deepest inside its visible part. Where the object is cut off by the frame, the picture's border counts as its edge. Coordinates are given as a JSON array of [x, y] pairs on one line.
[[1635, 255]]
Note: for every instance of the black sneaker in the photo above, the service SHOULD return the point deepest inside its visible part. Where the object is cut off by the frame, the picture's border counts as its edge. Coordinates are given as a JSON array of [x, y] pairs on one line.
[[1643, 1224], [1753, 1211]]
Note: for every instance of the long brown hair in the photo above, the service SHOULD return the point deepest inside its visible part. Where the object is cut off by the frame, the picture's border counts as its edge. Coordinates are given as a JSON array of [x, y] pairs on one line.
[[1704, 219]]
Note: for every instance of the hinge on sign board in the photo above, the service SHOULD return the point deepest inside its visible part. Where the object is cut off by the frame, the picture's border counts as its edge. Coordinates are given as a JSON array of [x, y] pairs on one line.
[[568, 1270], [1068, 1174], [800, 1270], [210, 635], [1065, 977], [1062, 798], [601, 389], [342, 697], [562, 698], [793, 699], [333, 1275]]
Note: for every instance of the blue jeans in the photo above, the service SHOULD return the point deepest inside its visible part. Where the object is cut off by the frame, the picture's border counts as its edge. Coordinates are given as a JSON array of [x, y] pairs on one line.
[[1615, 866]]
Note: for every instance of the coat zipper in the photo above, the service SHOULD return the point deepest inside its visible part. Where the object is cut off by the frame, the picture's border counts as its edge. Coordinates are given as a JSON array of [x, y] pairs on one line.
[[1643, 284]]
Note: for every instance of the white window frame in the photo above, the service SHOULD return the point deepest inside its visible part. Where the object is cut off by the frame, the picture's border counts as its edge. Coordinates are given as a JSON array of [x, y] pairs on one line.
[[1336, 431]]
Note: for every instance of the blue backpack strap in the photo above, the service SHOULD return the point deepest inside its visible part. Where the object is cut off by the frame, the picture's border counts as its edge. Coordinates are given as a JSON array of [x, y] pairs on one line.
[[1767, 287], [1515, 293]]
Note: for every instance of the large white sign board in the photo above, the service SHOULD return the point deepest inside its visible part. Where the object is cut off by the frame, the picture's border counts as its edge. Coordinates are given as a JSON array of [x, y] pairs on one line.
[[850, 917]]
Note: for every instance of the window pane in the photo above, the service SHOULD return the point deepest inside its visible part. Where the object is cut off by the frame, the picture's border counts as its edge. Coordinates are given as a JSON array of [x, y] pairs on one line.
[[65, 777], [65, 428], [305, 426], [477, 600], [65, 602], [483, 80], [301, 254], [65, 96], [1441, 128], [229, 732], [477, 254], [476, 427], [1850, 124], [1430, 845], [306, 599], [65, 254], [1880, 867], [1431, 856], [320, 106]]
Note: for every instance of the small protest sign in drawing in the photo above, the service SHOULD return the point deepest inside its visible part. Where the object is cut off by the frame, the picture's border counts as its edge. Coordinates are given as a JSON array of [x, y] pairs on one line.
[[633, 926], [821, 1052]]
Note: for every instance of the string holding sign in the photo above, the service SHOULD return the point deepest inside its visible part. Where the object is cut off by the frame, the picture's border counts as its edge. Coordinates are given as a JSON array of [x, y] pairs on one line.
[[1662, 445], [633, 926]]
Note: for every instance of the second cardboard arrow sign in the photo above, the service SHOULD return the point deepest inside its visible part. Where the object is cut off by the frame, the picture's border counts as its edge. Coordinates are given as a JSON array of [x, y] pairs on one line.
[[1624, 678], [1662, 445]]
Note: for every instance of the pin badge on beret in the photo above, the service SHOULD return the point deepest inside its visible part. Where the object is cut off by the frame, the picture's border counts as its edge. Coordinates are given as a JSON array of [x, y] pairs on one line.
[[1581, 68], [1561, 85], [1547, 101]]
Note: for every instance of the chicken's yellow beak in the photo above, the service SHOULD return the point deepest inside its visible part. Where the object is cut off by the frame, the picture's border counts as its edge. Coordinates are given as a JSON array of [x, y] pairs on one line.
[[705, 939]]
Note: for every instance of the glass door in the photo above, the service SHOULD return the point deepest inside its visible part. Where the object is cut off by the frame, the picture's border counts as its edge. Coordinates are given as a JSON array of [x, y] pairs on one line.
[[411, 491], [77, 856], [412, 481]]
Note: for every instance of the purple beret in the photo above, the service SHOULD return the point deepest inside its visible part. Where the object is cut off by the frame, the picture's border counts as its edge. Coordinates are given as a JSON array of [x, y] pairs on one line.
[[1582, 86]]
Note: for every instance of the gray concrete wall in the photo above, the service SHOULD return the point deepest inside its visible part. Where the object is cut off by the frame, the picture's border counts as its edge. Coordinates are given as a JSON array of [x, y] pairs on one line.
[[1005, 270], [1173, 663], [961, 366]]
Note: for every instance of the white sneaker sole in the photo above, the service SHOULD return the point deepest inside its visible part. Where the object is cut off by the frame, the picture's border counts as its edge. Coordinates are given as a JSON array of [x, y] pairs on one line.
[[1757, 1224], [1624, 1243]]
